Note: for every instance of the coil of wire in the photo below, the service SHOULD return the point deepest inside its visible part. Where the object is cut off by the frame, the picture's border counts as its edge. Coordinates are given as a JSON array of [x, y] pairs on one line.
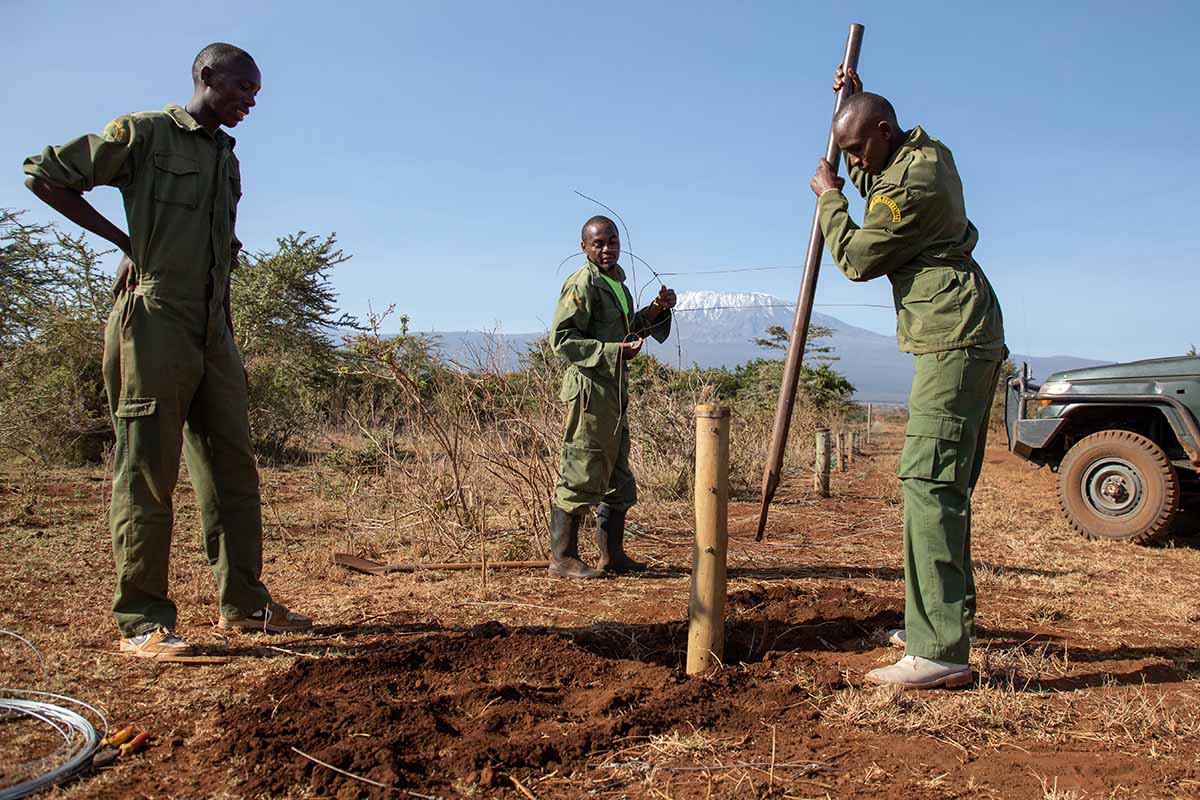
[[80, 740], [64, 715]]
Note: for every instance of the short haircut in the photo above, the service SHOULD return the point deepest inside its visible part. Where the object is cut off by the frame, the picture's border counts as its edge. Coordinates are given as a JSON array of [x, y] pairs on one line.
[[216, 55], [872, 107], [597, 220]]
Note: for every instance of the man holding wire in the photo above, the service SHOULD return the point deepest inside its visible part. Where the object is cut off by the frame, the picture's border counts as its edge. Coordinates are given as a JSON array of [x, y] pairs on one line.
[[596, 333]]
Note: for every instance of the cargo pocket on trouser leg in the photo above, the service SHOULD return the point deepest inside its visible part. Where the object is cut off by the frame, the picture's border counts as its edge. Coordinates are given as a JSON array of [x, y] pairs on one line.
[[931, 447], [139, 443], [141, 518], [935, 525], [583, 477]]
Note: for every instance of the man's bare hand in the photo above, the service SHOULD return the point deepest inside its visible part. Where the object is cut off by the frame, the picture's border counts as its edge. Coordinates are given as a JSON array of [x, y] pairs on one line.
[[842, 75], [629, 350], [126, 281], [666, 298], [825, 180]]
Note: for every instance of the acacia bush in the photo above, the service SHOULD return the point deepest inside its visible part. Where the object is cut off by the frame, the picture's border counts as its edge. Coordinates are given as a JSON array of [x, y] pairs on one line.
[[287, 327], [54, 300], [466, 455]]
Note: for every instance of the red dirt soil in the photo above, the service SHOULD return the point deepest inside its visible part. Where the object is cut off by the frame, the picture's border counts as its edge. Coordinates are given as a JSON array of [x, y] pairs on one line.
[[446, 700]]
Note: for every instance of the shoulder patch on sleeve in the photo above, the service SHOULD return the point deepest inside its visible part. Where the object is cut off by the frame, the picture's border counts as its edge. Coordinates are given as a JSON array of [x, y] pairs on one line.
[[117, 131], [884, 200]]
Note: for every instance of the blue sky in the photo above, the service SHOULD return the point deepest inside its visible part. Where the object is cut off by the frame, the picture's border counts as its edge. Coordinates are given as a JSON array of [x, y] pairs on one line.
[[443, 142]]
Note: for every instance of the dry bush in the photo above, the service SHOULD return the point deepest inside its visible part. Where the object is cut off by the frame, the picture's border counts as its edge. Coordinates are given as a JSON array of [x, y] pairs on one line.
[[54, 300], [469, 452]]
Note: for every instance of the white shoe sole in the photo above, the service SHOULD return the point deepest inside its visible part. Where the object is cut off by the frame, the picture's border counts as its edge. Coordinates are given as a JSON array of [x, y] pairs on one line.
[[951, 681], [142, 652], [256, 626]]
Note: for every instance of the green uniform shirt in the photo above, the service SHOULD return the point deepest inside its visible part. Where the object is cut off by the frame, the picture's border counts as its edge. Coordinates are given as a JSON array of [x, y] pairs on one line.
[[587, 329], [181, 185], [916, 232]]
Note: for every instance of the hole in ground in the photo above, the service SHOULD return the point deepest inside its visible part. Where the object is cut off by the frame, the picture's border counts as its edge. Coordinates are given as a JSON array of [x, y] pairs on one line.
[[759, 621]]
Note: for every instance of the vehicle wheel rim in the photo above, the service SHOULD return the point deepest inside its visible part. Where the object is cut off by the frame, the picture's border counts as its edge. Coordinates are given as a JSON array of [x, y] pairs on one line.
[[1112, 487]]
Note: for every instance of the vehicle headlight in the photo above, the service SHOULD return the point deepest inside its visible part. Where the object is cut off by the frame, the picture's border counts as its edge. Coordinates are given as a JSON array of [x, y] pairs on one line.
[[1055, 387]]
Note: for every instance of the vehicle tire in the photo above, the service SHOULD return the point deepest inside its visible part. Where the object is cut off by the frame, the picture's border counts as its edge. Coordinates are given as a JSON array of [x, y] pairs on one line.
[[1118, 485]]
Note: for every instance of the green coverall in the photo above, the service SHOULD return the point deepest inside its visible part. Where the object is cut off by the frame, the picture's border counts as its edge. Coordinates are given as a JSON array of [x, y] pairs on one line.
[[172, 372], [916, 232], [587, 330]]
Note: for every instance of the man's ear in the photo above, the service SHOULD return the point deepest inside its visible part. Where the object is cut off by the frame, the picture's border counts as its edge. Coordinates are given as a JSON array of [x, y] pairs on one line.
[[886, 129], [206, 75]]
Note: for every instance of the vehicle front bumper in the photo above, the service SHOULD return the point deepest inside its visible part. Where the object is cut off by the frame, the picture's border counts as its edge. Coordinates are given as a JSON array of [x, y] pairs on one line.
[[1026, 436]]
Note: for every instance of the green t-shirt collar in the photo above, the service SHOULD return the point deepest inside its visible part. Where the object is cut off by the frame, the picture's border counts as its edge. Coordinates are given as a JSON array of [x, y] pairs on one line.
[[618, 289]]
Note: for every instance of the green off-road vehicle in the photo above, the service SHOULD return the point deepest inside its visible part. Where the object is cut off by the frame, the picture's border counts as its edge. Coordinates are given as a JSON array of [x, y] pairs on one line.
[[1123, 439]]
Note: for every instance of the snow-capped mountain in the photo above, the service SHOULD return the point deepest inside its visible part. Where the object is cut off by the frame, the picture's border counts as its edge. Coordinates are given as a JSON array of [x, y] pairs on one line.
[[740, 317], [717, 329], [728, 317]]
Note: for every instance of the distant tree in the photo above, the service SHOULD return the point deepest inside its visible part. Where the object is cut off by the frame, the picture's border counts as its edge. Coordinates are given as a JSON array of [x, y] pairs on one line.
[[821, 386], [777, 338], [1191, 350]]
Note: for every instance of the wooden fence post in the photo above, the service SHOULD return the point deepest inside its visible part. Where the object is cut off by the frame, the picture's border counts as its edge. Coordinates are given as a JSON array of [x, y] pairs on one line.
[[821, 469], [706, 607]]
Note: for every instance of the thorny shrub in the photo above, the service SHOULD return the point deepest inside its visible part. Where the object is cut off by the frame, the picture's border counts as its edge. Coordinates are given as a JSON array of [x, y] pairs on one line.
[[477, 445], [284, 309], [54, 299], [446, 457]]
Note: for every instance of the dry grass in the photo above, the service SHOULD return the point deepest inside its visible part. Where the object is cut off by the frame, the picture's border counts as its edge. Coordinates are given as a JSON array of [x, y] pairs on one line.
[[988, 715], [1139, 719], [1086, 649]]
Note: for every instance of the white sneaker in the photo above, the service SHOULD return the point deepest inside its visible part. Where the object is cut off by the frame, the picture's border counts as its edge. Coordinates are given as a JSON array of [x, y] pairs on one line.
[[898, 638], [273, 618], [914, 672], [161, 643]]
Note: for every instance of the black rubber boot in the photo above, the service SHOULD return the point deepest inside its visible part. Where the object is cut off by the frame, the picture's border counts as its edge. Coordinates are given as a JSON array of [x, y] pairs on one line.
[[564, 547], [610, 539]]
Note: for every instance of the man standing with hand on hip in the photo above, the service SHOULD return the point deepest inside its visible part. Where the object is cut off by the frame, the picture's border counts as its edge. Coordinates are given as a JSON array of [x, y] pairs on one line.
[[917, 234], [172, 372]]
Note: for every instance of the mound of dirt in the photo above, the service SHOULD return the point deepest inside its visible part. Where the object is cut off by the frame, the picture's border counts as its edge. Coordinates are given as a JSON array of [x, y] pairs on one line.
[[760, 623], [460, 707]]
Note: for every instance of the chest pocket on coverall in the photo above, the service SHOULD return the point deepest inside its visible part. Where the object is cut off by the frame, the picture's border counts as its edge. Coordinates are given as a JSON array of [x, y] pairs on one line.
[[176, 180]]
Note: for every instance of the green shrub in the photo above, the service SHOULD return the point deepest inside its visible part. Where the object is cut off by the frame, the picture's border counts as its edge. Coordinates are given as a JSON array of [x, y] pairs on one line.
[[286, 323], [54, 300]]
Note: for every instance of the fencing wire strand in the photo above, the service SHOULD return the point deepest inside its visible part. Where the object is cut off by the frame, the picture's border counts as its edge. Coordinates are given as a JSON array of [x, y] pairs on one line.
[[37, 654], [783, 305], [668, 315], [80, 739], [731, 270], [664, 315]]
